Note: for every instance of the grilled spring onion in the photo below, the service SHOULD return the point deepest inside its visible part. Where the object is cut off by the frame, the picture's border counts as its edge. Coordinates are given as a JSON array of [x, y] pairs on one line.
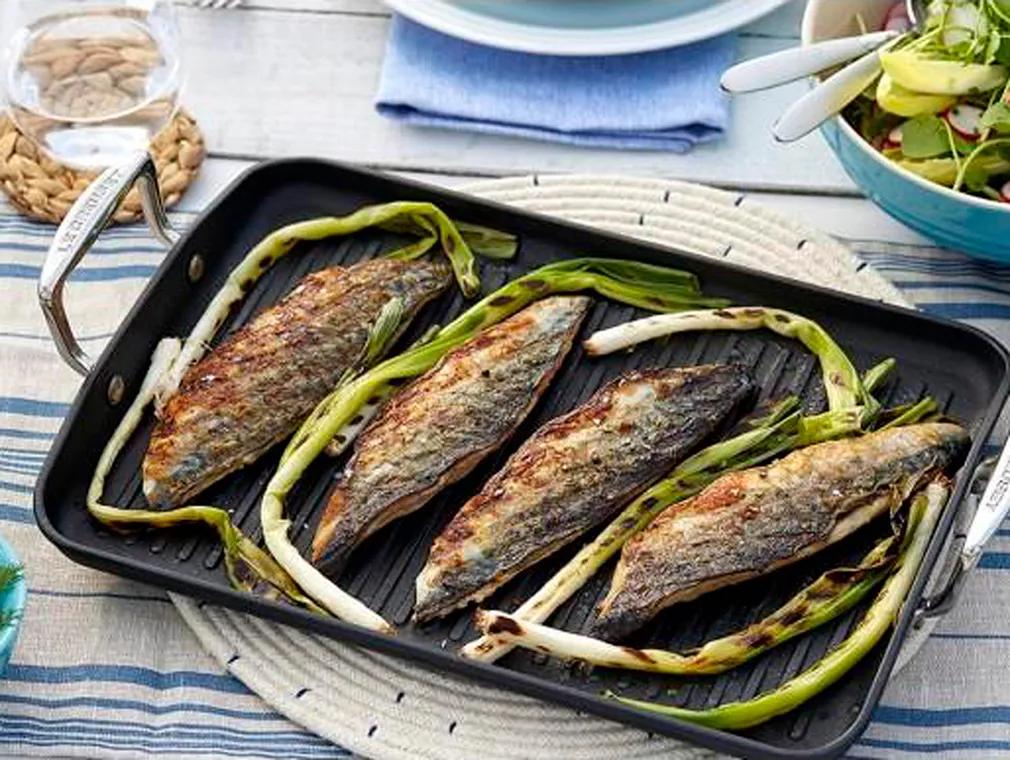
[[923, 516], [423, 219], [379, 338], [908, 414], [632, 283], [246, 564], [766, 441], [345, 437], [841, 381]]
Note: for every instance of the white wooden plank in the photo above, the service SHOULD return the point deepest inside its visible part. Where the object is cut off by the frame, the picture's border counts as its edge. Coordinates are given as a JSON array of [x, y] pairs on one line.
[[307, 84]]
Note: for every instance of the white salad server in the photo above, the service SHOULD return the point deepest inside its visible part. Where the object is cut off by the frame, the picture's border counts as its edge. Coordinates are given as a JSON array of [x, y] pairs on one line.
[[835, 92]]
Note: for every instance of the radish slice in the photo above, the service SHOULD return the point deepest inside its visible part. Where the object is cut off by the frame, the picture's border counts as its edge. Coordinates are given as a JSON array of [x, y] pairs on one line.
[[1004, 192], [894, 137], [896, 19], [965, 120]]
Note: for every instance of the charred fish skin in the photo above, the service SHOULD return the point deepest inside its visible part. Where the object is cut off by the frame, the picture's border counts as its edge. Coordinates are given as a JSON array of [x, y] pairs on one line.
[[751, 522], [256, 387], [436, 430], [572, 474]]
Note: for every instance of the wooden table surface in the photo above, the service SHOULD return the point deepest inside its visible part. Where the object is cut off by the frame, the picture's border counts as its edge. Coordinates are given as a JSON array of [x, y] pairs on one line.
[[304, 86]]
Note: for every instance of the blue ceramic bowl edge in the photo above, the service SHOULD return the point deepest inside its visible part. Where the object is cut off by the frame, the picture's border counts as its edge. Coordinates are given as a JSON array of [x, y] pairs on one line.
[[952, 219]]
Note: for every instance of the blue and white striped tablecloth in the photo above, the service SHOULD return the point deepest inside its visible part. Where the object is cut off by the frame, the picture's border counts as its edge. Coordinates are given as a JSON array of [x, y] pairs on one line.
[[106, 668]]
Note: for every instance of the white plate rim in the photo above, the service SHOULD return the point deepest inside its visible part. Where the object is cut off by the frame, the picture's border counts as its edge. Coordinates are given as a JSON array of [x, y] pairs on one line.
[[447, 17]]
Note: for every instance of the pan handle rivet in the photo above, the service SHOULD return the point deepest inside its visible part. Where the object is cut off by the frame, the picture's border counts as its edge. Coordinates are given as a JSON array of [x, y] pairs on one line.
[[196, 268], [116, 391]]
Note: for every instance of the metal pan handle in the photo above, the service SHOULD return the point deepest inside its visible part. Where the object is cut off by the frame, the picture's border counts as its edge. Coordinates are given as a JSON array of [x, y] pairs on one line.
[[80, 229], [992, 510]]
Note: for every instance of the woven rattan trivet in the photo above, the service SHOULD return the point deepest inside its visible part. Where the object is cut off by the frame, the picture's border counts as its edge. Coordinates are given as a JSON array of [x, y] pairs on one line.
[[44, 189]]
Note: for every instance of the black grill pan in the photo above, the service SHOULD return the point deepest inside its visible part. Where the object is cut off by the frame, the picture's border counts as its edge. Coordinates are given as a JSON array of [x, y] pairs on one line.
[[963, 368]]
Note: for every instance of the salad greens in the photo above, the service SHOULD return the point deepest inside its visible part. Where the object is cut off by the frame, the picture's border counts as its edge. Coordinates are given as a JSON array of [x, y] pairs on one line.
[[9, 575], [941, 106]]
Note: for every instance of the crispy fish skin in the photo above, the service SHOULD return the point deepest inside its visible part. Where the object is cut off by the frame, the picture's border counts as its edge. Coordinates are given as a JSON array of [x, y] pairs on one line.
[[440, 427], [751, 522], [254, 389], [572, 474]]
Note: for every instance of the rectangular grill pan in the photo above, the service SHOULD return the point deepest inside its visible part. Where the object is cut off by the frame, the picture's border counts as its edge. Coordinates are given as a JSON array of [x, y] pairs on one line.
[[963, 368]]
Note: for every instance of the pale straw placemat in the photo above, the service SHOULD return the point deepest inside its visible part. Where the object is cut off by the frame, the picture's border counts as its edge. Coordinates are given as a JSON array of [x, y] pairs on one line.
[[382, 707]]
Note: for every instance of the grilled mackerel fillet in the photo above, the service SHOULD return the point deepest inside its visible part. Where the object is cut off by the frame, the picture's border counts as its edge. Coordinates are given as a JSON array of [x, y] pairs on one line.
[[751, 522], [572, 474], [439, 428], [254, 389]]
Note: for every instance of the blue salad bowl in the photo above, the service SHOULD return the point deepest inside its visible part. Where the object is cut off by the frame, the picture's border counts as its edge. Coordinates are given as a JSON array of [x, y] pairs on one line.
[[976, 226], [11, 601]]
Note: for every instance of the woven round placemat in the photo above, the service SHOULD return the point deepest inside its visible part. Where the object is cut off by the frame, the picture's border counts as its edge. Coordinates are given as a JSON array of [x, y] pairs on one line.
[[382, 707], [44, 189]]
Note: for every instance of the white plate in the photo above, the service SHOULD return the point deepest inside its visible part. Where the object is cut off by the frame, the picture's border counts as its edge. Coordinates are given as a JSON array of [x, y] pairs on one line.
[[584, 27]]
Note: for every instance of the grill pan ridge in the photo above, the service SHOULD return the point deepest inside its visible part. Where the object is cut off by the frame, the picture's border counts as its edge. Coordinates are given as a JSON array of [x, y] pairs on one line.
[[963, 368]]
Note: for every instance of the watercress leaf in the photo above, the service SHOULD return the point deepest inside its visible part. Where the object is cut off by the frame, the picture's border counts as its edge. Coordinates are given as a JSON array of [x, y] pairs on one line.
[[997, 117], [9, 575], [961, 145], [992, 46], [975, 177], [924, 137], [1001, 7]]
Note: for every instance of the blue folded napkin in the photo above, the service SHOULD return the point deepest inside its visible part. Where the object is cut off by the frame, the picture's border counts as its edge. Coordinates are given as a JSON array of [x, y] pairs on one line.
[[662, 100]]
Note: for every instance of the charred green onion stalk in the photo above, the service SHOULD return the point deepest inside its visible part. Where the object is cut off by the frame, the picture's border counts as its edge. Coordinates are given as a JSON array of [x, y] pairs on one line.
[[642, 285], [849, 399], [924, 513], [842, 383]]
